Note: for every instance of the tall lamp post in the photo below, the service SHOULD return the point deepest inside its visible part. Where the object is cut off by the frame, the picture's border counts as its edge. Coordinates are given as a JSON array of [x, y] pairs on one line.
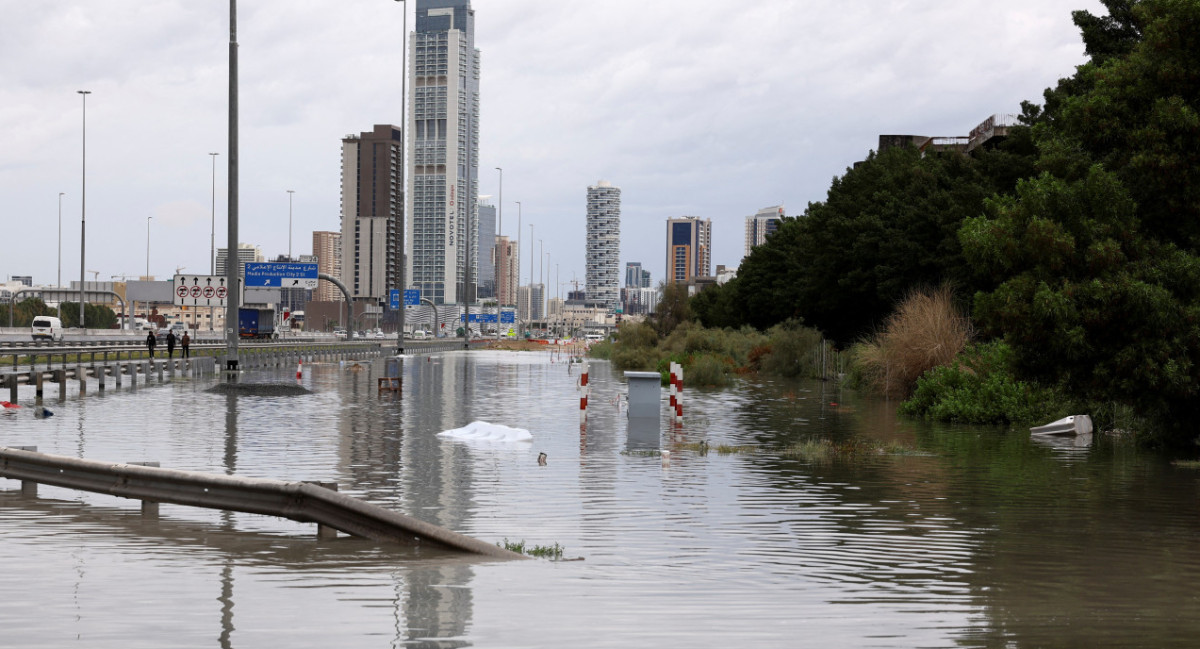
[[403, 281], [148, 247], [499, 265], [517, 288], [59, 284], [212, 240], [212, 237], [83, 209], [290, 192]]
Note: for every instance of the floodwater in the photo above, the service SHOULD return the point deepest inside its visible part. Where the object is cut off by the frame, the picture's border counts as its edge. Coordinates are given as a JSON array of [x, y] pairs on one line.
[[983, 539]]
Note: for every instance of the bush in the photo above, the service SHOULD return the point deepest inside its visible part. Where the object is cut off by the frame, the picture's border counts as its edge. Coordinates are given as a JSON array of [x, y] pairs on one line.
[[793, 350], [926, 331], [707, 370], [979, 387]]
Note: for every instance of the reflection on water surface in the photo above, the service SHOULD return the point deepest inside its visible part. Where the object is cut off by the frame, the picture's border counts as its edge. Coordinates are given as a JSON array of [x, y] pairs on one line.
[[985, 539]]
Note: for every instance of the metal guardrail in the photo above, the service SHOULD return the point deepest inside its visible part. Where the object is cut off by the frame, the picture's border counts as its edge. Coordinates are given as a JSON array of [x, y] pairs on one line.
[[299, 501]]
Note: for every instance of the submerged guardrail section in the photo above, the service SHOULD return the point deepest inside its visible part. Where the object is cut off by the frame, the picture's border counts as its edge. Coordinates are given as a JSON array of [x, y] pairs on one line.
[[305, 502]]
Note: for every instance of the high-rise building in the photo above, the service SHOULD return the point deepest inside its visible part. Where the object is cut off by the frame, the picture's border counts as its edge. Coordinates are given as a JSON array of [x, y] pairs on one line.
[[246, 253], [443, 150], [689, 252], [508, 270], [636, 276], [765, 222], [603, 244], [327, 248], [372, 204], [487, 244], [530, 301]]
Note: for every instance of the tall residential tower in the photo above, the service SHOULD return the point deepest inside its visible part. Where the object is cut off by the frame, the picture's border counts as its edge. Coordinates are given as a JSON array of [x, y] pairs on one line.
[[372, 200], [603, 244], [443, 151], [689, 248], [765, 222]]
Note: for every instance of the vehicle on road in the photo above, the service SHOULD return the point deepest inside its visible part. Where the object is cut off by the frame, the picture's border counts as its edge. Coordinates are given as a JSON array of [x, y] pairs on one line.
[[47, 328], [256, 323]]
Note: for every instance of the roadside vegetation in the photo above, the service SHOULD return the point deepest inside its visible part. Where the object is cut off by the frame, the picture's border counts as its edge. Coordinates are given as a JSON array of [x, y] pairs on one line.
[[1071, 245]]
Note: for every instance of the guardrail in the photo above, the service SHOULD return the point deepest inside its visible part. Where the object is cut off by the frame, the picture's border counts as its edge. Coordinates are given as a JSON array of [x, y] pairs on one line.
[[304, 502]]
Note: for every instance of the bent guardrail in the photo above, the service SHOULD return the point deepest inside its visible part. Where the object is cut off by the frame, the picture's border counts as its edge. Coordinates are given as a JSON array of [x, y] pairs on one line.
[[299, 501]]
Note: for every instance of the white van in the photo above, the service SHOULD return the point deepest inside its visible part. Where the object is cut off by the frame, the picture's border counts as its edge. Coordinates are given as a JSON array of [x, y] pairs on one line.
[[47, 328]]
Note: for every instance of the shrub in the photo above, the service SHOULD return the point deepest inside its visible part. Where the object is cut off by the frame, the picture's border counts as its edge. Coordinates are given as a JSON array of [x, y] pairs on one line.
[[707, 370], [792, 349], [924, 332], [980, 388]]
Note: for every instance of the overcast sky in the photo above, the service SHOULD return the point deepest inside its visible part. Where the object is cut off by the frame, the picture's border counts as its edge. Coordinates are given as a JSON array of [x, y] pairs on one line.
[[691, 108]]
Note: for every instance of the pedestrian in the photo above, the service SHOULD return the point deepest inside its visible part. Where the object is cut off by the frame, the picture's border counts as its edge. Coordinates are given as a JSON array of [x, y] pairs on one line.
[[184, 343], [151, 341], [170, 343]]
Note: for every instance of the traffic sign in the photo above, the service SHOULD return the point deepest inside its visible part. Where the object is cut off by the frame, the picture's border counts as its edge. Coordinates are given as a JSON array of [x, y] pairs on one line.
[[199, 290], [412, 297], [281, 275]]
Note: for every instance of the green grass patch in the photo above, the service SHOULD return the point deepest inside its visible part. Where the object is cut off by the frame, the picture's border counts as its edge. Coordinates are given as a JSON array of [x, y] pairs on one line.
[[551, 552]]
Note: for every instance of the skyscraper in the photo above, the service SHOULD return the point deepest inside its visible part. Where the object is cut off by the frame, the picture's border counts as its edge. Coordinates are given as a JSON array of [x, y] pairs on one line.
[[485, 256], [372, 200], [603, 244], [327, 248], [689, 241], [443, 150], [245, 253], [765, 222], [508, 270], [636, 276]]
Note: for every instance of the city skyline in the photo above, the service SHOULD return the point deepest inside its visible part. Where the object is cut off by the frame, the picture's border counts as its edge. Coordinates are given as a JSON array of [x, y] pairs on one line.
[[573, 94]]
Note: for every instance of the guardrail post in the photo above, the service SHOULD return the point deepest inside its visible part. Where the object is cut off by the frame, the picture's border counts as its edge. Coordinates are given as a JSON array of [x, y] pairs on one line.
[[28, 487], [118, 370], [100, 376], [60, 377], [81, 374], [325, 532], [149, 507], [11, 379], [160, 371]]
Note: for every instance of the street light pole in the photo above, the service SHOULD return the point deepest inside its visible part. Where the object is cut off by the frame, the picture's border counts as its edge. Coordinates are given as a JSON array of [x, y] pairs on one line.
[[212, 237], [499, 265], [59, 283], [403, 177], [517, 288], [83, 209], [290, 192], [148, 247]]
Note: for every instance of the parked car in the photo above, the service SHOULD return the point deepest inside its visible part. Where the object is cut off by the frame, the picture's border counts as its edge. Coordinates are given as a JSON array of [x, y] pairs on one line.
[[340, 333], [47, 328]]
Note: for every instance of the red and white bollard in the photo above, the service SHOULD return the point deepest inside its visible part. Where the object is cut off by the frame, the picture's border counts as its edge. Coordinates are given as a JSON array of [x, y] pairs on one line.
[[671, 387], [677, 392], [584, 391], [300, 369]]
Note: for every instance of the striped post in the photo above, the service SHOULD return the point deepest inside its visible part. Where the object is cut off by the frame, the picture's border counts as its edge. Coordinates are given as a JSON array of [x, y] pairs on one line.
[[678, 394], [584, 391], [671, 387]]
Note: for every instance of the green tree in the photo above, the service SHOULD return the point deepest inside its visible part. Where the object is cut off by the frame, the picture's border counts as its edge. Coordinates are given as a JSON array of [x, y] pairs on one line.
[[96, 316], [718, 306], [24, 312], [888, 226], [1088, 302], [672, 309]]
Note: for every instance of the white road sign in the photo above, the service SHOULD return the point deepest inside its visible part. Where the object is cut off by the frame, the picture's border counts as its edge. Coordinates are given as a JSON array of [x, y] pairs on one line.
[[199, 290]]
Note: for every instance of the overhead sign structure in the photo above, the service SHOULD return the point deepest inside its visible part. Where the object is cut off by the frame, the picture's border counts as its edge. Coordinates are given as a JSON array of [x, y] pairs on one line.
[[486, 318], [199, 290], [281, 275]]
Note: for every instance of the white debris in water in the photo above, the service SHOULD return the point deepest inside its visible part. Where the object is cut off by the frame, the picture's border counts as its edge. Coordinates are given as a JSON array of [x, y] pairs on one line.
[[483, 431]]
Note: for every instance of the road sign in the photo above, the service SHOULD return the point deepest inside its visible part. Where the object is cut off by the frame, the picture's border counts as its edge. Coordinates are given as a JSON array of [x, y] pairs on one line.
[[412, 297], [199, 290], [281, 275], [507, 316]]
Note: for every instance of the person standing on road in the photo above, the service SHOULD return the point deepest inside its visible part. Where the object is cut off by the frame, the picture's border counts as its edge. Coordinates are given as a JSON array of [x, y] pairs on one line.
[[170, 343], [183, 345], [151, 341]]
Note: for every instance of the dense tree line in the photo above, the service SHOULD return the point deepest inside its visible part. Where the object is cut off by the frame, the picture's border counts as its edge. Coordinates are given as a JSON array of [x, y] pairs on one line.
[[1076, 241], [96, 316]]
